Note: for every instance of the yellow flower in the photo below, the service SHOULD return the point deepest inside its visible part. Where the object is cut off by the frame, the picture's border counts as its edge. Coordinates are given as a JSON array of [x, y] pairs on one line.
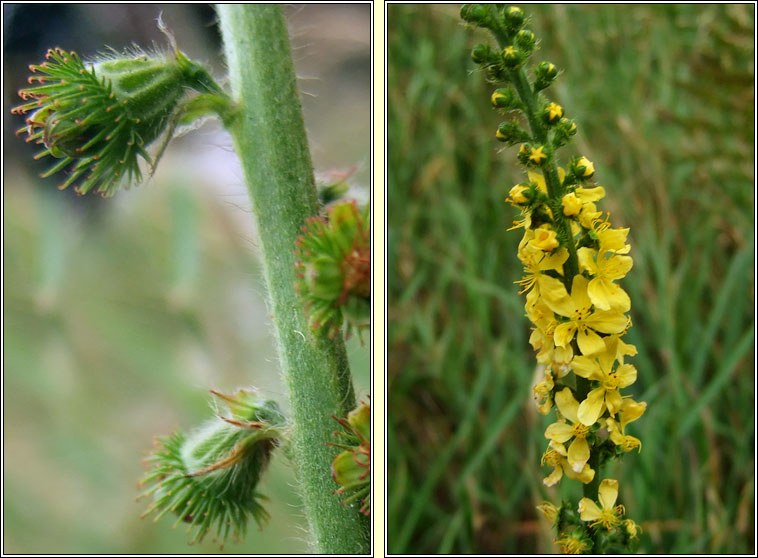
[[509, 52], [572, 205], [612, 240], [600, 369], [629, 412], [603, 292], [536, 261], [589, 168], [555, 456], [545, 240], [550, 511], [572, 543], [554, 111], [542, 393], [632, 528], [537, 156], [608, 514], [562, 432], [582, 320], [516, 194]]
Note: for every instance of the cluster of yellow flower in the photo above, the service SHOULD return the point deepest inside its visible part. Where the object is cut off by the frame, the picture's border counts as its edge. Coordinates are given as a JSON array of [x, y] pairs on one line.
[[572, 259], [579, 330]]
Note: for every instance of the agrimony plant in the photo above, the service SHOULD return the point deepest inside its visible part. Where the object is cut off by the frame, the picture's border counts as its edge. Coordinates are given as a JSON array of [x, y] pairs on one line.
[[572, 261], [97, 118]]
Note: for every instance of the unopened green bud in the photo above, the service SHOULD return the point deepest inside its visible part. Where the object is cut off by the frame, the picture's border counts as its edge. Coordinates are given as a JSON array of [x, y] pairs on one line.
[[504, 98], [511, 133], [476, 14], [514, 18], [483, 54], [525, 40], [512, 56], [545, 74], [565, 129]]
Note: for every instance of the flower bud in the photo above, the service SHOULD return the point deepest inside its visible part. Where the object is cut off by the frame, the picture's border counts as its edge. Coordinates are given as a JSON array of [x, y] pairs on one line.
[[513, 56], [545, 73], [514, 18], [582, 168], [483, 54], [571, 204], [511, 133], [519, 194], [476, 14], [504, 98], [525, 40], [552, 113]]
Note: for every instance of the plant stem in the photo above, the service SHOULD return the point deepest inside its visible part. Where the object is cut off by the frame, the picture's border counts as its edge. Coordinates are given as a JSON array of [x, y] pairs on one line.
[[269, 136]]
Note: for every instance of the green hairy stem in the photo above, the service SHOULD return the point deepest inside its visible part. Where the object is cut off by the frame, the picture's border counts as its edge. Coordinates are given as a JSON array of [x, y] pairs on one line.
[[269, 136]]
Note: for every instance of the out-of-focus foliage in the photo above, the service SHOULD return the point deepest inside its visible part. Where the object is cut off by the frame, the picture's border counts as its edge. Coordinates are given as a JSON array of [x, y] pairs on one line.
[[120, 314], [663, 97]]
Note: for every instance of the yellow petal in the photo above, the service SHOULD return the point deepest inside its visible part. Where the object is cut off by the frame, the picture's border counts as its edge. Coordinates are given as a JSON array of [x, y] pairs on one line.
[[586, 258], [555, 296], [578, 454], [607, 493], [607, 295], [591, 408], [615, 267], [553, 477], [588, 510], [626, 374], [559, 431], [586, 475], [589, 342], [554, 261], [631, 411], [567, 405], [613, 240], [590, 194], [587, 367], [539, 180], [579, 292], [607, 321], [564, 333], [613, 401]]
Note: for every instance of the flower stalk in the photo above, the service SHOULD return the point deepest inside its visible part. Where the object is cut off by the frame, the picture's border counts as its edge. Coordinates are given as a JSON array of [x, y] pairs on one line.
[[269, 136], [572, 261]]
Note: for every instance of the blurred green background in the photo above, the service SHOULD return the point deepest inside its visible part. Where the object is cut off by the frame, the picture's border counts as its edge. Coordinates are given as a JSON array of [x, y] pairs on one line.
[[663, 97], [120, 314]]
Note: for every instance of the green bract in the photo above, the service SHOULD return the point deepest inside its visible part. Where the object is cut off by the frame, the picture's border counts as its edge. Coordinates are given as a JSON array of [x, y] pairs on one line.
[[99, 117], [209, 477]]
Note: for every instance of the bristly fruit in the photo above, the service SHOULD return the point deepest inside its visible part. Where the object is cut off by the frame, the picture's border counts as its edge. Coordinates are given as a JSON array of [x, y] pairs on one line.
[[98, 117], [209, 477], [351, 469], [334, 268]]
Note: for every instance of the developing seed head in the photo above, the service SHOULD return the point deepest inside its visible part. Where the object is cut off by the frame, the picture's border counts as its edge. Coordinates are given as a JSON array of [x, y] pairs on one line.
[[209, 477], [97, 118], [334, 268], [351, 468]]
